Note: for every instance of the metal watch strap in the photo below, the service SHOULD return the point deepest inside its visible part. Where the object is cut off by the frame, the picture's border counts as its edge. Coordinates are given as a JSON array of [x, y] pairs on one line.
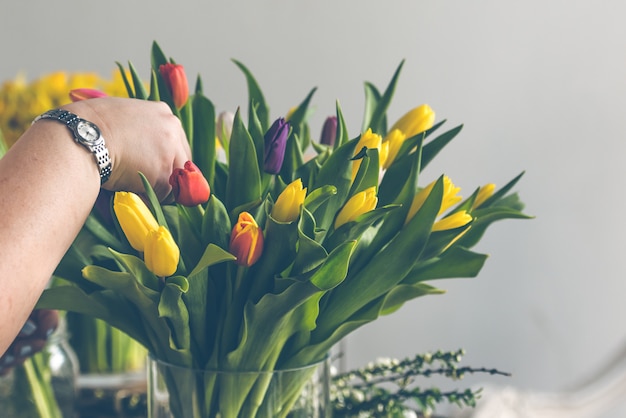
[[100, 151]]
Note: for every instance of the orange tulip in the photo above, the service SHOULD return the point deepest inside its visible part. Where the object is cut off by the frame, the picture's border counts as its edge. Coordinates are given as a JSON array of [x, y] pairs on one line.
[[246, 240]]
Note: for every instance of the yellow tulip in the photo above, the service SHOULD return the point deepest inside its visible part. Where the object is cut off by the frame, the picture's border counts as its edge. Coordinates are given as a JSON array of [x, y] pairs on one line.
[[484, 193], [161, 254], [450, 198], [415, 121], [394, 141], [369, 140], [357, 205], [134, 217], [455, 220], [287, 206]]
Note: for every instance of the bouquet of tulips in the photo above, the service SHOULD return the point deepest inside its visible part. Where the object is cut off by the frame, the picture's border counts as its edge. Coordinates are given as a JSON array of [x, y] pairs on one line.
[[267, 258]]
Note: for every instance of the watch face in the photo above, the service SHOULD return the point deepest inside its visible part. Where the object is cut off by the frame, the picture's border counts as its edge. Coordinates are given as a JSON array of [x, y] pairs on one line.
[[88, 132]]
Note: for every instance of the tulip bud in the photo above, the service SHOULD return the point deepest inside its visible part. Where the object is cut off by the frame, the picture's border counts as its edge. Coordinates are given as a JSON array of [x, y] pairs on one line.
[[394, 141], [77, 95], [275, 144], [329, 131], [246, 240], [456, 220], [161, 254], [287, 206], [224, 126], [357, 205], [415, 121], [134, 217], [484, 193], [450, 197], [189, 186], [369, 140], [176, 81]]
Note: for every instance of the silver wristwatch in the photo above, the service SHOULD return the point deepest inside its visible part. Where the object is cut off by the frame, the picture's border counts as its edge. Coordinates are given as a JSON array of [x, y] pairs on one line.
[[85, 133]]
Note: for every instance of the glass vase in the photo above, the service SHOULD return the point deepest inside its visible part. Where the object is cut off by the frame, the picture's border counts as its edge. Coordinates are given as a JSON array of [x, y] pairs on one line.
[[179, 392]]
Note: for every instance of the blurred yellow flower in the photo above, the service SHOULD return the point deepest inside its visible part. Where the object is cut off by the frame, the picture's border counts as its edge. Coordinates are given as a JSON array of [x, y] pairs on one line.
[[450, 197], [21, 101]]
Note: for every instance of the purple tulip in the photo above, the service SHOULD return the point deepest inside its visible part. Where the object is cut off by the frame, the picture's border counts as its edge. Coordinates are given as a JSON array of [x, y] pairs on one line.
[[275, 143], [329, 131]]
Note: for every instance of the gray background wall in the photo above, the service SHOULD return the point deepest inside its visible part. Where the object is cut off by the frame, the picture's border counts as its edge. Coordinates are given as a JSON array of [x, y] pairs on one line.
[[539, 85]]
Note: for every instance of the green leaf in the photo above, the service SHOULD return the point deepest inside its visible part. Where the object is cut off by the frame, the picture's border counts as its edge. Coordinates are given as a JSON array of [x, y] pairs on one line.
[[279, 250], [502, 191], [433, 147], [354, 229], [155, 205], [342, 129], [399, 184], [140, 90], [335, 267], [368, 173], [310, 254], [336, 172], [298, 117], [116, 312], [204, 148], [402, 293], [216, 224], [154, 87], [157, 57], [385, 269], [293, 158], [136, 267], [212, 255], [102, 233], [244, 179], [256, 98], [318, 196], [258, 138], [129, 88], [378, 120], [372, 97], [458, 262], [174, 311]]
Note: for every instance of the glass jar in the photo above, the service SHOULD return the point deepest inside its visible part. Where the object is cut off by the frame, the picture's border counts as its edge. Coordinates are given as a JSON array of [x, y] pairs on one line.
[[45, 384]]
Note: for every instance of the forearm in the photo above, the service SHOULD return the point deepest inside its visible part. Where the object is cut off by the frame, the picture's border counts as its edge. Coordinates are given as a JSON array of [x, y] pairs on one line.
[[48, 185]]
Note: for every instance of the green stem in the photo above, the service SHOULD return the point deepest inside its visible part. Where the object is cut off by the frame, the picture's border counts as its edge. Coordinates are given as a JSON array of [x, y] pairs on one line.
[[41, 389]]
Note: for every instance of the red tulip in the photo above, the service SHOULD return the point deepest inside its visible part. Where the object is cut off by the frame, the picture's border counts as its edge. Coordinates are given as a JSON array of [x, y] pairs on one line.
[[246, 240], [176, 81], [189, 185]]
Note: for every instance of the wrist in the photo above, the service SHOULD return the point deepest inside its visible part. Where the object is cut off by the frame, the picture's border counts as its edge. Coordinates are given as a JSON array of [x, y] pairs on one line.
[[84, 133]]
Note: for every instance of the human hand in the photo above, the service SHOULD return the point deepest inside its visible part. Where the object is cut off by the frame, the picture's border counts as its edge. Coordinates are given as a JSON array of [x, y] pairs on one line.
[[142, 136], [32, 338]]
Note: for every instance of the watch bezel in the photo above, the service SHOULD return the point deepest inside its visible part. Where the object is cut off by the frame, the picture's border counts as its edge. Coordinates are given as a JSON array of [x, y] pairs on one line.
[[79, 133]]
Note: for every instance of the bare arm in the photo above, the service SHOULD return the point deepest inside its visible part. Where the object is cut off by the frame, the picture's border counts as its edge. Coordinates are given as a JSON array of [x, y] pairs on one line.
[[48, 185]]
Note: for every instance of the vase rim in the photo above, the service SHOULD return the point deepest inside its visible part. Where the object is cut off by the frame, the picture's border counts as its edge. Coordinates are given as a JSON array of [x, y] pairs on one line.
[[326, 358]]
